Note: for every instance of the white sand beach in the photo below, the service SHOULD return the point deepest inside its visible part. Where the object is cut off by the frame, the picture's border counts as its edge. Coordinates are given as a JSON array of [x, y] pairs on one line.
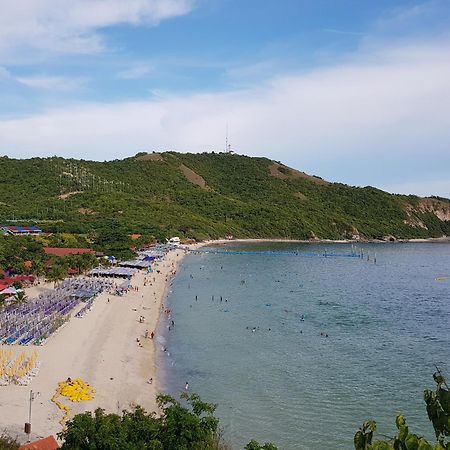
[[100, 348]]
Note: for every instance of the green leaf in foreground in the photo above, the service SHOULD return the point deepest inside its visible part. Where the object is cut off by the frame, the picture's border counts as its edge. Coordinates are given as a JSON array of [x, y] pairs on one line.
[[438, 410]]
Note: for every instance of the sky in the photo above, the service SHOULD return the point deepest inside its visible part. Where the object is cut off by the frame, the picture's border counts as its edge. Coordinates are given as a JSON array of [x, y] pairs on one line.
[[354, 91]]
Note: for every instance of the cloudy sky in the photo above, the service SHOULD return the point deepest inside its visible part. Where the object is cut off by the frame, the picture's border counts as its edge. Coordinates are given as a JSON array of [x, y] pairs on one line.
[[353, 91]]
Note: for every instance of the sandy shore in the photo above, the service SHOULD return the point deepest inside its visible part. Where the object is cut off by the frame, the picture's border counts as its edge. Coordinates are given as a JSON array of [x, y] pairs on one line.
[[101, 349], [443, 239]]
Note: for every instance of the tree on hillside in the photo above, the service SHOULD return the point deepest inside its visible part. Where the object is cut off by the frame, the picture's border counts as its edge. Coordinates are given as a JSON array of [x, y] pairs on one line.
[[66, 240], [113, 237], [15, 251], [438, 410]]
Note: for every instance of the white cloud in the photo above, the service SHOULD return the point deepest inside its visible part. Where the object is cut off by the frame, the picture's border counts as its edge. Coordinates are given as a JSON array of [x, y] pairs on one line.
[[417, 21], [385, 115], [53, 83], [337, 31], [72, 26], [135, 72]]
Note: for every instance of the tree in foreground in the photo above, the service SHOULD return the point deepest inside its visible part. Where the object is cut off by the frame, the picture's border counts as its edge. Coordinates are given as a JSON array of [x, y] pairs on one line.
[[253, 445], [438, 410], [193, 427]]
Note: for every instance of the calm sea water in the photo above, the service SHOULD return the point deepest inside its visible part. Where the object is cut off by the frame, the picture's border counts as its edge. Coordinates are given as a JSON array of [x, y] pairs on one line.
[[387, 325]]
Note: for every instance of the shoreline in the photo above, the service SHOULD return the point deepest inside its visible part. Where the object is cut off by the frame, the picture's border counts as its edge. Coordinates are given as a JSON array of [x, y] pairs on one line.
[[202, 349], [181, 254], [101, 349], [443, 239]]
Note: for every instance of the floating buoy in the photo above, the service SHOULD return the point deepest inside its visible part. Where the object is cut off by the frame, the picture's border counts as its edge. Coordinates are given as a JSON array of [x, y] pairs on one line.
[[442, 279]]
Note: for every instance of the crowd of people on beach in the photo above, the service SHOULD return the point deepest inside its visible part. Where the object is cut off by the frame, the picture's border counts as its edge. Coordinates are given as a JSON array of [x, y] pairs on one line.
[[149, 281]]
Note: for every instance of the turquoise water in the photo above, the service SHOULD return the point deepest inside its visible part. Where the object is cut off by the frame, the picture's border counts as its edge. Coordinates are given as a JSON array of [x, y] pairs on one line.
[[387, 325]]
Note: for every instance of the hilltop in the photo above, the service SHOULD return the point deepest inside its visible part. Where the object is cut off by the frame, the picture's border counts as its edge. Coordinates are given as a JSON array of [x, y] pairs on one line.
[[206, 195]]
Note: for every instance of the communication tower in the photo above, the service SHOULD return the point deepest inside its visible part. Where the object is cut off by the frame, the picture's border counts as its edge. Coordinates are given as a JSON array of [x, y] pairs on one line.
[[227, 144]]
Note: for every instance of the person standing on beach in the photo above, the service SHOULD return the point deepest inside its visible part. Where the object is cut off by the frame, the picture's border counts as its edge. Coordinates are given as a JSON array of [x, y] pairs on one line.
[[186, 387]]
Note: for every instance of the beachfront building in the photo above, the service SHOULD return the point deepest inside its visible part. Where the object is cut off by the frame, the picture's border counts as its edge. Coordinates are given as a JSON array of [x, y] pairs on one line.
[[8, 282], [137, 263], [150, 255], [21, 231], [114, 272], [174, 241], [61, 251]]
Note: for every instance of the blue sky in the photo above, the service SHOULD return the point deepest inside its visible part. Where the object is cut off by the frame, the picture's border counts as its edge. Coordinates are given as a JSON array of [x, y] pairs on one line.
[[353, 91]]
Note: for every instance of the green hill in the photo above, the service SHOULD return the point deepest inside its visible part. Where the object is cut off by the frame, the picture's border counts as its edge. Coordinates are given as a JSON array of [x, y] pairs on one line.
[[206, 195]]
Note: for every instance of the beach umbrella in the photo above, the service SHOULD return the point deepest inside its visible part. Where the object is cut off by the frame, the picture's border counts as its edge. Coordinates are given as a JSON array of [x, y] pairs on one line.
[[9, 291]]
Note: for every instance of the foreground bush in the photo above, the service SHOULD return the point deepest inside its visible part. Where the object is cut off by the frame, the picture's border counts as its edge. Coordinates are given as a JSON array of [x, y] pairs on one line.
[[438, 410], [178, 428], [8, 443]]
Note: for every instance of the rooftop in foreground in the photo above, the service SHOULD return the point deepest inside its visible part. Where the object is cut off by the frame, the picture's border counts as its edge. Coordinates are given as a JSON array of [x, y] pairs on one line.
[[48, 443]]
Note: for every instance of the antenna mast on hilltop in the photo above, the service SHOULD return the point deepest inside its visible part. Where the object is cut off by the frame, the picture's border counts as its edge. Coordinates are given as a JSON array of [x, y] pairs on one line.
[[227, 145]]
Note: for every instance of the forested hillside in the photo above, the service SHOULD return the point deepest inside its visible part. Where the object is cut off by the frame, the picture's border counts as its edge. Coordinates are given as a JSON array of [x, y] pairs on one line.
[[206, 195]]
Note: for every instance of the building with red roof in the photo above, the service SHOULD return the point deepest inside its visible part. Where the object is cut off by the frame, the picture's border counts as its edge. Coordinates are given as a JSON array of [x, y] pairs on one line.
[[9, 281], [48, 443], [60, 251]]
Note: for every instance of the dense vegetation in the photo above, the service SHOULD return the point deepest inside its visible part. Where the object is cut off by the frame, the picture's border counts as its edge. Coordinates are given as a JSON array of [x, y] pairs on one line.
[[190, 427], [204, 195]]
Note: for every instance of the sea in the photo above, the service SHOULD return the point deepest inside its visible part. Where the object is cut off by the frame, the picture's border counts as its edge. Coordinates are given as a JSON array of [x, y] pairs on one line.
[[299, 349]]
